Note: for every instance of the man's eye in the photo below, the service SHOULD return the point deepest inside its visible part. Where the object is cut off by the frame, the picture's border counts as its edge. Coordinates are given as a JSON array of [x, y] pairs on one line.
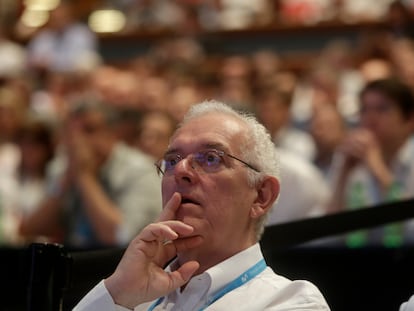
[[171, 162], [212, 158]]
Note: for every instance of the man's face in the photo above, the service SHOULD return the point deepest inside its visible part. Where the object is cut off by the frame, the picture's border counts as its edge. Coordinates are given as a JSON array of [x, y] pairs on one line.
[[216, 204], [380, 115]]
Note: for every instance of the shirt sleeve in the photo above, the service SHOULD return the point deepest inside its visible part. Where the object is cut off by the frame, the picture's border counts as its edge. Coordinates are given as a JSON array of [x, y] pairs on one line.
[[98, 299], [408, 305]]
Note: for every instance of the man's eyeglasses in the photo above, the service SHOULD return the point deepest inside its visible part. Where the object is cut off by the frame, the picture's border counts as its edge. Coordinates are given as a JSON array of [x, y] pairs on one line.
[[208, 161]]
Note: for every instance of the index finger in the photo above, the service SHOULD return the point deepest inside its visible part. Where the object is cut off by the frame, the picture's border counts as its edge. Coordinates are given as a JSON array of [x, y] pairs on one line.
[[169, 210]]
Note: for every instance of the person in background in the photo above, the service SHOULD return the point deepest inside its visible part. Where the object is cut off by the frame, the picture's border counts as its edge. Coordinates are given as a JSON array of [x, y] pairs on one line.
[[377, 160], [220, 179], [294, 150], [328, 129], [36, 143], [64, 45], [272, 108], [311, 201], [234, 74], [13, 108], [155, 129], [102, 190], [181, 98], [12, 111]]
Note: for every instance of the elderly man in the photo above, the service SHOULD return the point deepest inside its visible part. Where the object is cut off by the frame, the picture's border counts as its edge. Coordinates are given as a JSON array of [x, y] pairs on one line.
[[219, 182]]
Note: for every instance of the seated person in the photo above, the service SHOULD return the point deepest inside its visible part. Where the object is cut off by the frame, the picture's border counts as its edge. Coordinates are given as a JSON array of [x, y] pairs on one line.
[[377, 160], [101, 191], [219, 182]]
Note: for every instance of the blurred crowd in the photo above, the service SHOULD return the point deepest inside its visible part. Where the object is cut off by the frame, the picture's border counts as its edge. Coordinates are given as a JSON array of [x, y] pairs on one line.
[[79, 136], [191, 16]]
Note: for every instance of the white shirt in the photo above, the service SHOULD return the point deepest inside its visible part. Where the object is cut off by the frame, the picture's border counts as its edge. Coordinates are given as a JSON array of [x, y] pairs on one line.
[[297, 141], [408, 305], [362, 189], [265, 291], [298, 173], [64, 50]]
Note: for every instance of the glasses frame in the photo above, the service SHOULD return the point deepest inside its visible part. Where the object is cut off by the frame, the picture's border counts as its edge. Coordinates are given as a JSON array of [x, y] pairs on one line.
[[219, 152]]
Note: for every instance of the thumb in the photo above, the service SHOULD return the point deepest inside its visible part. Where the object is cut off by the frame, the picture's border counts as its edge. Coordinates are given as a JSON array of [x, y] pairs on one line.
[[183, 274]]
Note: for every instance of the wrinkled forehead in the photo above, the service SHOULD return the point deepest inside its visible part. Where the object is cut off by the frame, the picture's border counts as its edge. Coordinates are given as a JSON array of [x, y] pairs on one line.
[[211, 129]]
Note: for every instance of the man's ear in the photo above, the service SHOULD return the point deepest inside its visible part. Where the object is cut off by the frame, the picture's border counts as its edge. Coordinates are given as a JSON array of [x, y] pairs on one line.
[[267, 193]]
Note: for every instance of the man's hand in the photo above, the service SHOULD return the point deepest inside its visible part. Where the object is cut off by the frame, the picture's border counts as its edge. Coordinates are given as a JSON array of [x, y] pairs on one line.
[[140, 275]]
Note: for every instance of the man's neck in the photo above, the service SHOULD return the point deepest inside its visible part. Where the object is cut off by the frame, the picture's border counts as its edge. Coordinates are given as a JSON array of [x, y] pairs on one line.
[[211, 258]]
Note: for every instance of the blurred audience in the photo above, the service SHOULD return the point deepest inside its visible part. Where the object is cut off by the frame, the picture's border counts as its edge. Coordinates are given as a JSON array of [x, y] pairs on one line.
[[12, 56], [272, 108], [331, 78], [65, 44], [181, 98], [328, 130], [234, 82], [313, 197], [309, 104], [154, 132], [13, 108], [36, 143], [376, 68], [377, 159], [101, 191]]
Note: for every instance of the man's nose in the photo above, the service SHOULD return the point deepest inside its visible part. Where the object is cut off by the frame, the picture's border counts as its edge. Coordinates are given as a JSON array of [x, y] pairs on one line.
[[185, 170]]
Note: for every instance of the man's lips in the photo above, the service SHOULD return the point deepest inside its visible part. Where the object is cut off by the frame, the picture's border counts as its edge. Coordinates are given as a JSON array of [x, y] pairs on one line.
[[188, 209], [188, 200]]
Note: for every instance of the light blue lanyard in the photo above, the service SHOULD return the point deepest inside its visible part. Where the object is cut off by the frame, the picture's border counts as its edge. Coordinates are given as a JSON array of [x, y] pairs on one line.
[[239, 281]]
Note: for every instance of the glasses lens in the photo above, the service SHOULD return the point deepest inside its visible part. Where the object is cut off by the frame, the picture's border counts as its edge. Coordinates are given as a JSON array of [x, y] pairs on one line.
[[169, 162], [209, 160]]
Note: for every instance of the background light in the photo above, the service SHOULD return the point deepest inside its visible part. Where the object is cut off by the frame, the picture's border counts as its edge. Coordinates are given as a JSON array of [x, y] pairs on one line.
[[107, 21], [41, 5], [34, 18]]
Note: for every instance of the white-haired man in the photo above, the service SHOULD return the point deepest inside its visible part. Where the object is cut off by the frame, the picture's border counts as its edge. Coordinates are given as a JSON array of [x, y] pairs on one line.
[[219, 182]]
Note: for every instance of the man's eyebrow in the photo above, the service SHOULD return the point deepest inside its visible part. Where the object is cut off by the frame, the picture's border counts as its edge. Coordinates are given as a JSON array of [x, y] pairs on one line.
[[211, 145]]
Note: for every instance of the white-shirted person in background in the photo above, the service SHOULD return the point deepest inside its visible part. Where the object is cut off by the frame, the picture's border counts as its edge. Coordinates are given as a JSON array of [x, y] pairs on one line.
[[408, 305], [220, 179]]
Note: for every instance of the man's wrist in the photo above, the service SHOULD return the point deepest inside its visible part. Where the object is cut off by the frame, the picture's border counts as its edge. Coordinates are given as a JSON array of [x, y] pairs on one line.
[[118, 294]]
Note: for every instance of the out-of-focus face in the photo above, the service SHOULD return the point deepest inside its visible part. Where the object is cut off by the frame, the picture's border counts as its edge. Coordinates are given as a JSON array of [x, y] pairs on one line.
[[156, 130], [382, 116], [273, 113], [60, 17], [217, 204], [91, 128], [10, 122], [327, 129], [34, 156], [181, 100]]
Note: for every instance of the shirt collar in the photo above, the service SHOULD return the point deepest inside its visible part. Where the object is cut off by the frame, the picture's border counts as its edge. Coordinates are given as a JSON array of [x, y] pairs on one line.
[[224, 272], [229, 269]]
